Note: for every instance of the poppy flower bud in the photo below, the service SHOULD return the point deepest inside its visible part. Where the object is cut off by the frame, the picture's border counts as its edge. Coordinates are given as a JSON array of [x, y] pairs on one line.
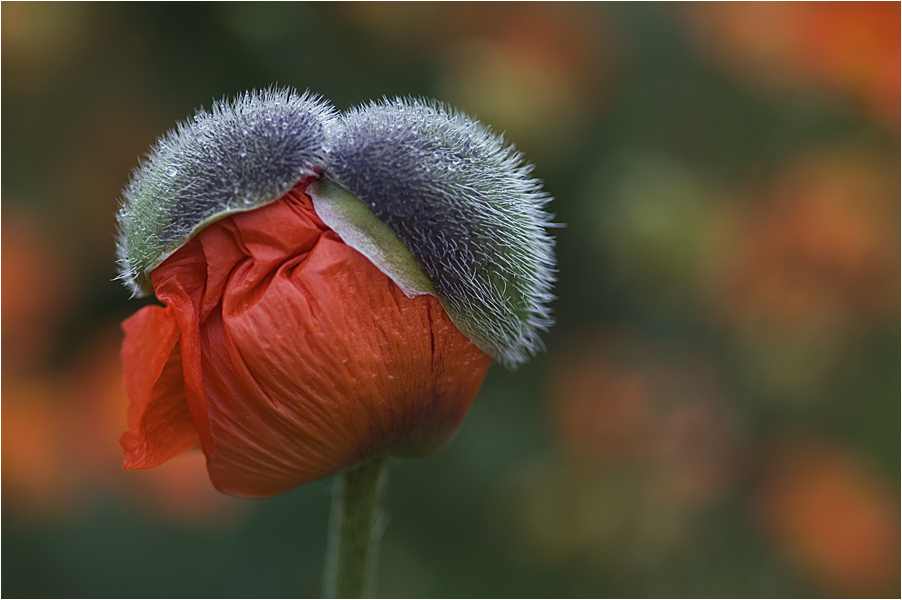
[[334, 287]]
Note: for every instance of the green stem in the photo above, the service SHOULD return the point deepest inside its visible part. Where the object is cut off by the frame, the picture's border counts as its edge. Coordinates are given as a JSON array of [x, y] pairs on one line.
[[353, 536]]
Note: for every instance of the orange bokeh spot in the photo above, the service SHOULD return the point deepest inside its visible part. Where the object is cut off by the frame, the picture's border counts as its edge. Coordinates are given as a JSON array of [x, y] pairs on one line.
[[851, 48], [819, 247], [41, 476], [835, 517], [619, 401]]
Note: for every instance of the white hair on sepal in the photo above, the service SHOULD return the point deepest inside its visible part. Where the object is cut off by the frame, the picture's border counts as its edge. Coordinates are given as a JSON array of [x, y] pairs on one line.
[[465, 206], [240, 155]]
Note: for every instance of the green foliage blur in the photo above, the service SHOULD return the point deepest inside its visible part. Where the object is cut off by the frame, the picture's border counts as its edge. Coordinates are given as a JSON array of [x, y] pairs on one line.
[[718, 410]]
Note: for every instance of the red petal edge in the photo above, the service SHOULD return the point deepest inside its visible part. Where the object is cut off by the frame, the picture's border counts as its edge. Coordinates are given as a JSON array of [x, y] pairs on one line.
[[159, 423]]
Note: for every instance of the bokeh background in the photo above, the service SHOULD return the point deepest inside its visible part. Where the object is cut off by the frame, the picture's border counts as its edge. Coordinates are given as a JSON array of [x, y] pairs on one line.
[[718, 411]]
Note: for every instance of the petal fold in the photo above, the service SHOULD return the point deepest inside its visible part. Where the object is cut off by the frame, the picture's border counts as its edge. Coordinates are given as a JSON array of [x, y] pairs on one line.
[[159, 422]]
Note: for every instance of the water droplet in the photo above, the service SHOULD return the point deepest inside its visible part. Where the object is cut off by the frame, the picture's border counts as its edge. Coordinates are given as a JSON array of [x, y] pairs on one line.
[[172, 171]]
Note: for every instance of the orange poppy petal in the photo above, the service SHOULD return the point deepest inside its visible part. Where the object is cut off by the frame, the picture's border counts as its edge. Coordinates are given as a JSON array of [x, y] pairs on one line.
[[181, 283], [301, 358], [159, 422], [316, 376]]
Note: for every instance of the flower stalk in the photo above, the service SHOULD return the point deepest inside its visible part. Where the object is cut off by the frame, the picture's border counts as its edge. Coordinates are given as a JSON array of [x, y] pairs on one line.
[[354, 532]]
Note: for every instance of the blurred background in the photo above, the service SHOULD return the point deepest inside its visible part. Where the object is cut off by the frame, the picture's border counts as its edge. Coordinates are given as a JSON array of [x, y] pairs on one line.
[[718, 411]]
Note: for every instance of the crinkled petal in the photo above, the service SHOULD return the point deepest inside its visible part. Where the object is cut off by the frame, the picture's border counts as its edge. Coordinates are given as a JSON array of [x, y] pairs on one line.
[[309, 359], [159, 422], [180, 286], [316, 376]]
